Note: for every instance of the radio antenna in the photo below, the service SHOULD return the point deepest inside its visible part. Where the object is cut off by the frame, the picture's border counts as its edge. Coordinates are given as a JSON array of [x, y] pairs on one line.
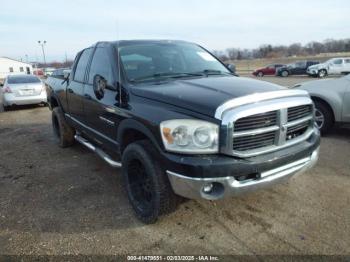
[[118, 62]]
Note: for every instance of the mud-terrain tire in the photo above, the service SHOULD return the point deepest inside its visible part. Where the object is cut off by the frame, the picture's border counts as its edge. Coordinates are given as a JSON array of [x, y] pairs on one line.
[[63, 132], [148, 188]]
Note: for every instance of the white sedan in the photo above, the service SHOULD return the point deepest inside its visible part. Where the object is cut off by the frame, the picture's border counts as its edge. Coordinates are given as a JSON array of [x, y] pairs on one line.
[[23, 90]]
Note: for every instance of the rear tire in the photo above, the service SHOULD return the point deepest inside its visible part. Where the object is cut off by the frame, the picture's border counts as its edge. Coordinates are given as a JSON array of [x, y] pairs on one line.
[[63, 132], [148, 188], [323, 117], [322, 73]]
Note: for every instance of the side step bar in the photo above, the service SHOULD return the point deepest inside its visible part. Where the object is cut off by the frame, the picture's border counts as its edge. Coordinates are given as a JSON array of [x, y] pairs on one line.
[[98, 151]]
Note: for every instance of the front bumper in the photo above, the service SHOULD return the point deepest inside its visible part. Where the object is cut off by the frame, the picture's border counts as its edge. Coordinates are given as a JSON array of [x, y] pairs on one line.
[[230, 176], [221, 187], [11, 99], [312, 72]]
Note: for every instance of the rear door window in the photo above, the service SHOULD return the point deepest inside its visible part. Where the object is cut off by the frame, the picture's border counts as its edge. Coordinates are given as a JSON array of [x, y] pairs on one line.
[[80, 69]]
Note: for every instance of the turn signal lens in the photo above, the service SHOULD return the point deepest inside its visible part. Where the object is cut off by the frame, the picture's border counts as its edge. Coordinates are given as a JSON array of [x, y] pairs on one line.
[[167, 135]]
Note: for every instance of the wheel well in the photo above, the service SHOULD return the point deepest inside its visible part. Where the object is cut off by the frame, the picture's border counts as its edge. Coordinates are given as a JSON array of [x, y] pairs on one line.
[[130, 136], [320, 100], [53, 102]]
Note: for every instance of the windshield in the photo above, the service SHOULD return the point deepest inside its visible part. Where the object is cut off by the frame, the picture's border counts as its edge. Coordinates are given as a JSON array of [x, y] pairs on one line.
[[24, 79], [150, 61]]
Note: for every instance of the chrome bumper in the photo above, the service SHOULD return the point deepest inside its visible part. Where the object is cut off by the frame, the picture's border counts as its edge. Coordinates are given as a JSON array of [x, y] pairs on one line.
[[222, 187]]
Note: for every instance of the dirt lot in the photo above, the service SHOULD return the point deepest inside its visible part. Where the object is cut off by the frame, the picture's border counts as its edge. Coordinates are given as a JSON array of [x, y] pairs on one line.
[[68, 201]]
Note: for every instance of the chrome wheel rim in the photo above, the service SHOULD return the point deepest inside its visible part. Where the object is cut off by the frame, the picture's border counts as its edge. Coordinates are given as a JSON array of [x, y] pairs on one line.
[[322, 73], [284, 73], [319, 118]]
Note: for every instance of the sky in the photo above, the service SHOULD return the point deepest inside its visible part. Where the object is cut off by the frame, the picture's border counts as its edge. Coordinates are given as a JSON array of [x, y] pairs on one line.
[[69, 26]]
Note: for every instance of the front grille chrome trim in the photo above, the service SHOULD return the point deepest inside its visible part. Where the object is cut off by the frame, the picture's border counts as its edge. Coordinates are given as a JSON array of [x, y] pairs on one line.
[[299, 121], [255, 131], [280, 105]]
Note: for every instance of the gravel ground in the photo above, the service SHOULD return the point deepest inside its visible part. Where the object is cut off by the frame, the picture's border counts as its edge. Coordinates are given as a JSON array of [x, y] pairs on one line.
[[68, 201]]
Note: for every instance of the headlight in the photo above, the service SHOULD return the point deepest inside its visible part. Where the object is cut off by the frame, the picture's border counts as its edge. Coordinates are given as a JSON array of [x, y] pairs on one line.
[[190, 136]]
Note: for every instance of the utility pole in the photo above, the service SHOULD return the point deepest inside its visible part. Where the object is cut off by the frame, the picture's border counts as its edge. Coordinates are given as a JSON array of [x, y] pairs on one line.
[[42, 44]]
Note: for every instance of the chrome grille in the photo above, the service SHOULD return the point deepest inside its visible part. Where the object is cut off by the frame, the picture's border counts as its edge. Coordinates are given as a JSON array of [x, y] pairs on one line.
[[298, 112], [255, 141], [297, 130], [270, 130], [256, 121]]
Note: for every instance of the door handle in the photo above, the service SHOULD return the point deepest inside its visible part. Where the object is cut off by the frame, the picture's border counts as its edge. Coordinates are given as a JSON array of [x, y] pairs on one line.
[[87, 96], [70, 90]]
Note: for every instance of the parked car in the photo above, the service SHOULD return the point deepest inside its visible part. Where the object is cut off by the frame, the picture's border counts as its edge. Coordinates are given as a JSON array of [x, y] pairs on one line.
[[60, 73], [38, 72], [267, 70], [332, 101], [23, 90], [179, 123], [334, 66], [297, 68]]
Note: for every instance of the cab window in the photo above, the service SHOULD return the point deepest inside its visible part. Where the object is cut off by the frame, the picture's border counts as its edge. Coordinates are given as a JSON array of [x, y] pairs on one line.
[[80, 69], [101, 66]]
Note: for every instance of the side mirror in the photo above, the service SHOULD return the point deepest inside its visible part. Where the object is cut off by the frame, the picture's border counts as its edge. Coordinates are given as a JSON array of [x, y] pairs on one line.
[[231, 67], [99, 86], [66, 74]]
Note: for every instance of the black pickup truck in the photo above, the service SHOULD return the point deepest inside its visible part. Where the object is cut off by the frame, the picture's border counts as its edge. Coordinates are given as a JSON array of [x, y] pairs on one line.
[[180, 123]]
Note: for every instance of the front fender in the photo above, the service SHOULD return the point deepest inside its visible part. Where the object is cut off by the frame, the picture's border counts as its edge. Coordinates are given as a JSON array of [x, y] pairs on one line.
[[132, 124]]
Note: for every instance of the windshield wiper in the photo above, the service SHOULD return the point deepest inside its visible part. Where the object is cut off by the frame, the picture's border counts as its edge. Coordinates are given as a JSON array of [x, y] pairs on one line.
[[166, 75]]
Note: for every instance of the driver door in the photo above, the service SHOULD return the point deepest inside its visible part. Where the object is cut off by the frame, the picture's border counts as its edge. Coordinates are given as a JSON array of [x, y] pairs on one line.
[[101, 105], [336, 67]]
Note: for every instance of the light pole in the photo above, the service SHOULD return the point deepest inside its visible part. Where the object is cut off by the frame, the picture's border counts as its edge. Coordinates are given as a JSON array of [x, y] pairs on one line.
[[42, 44]]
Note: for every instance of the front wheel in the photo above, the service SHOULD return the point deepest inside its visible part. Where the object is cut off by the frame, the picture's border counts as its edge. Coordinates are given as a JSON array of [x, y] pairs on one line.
[[322, 73], [147, 185], [260, 74], [323, 117]]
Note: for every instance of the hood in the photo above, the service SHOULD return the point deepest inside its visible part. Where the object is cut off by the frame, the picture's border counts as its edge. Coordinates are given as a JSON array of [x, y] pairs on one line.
[[316, 66], [203, 95]]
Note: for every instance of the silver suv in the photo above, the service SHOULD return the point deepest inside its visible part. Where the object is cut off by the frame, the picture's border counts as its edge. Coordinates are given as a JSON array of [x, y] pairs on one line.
[[334, 66]]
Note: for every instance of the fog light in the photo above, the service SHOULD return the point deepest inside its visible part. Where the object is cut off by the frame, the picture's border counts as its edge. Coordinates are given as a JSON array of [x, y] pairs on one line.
[[208, 188]]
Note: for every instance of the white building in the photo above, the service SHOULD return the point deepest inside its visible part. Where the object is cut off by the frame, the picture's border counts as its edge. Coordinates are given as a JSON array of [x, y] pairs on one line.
[[11, 66]]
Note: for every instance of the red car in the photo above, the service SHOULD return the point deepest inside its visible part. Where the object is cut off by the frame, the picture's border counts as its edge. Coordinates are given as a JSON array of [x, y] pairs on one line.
[[268, 70]]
